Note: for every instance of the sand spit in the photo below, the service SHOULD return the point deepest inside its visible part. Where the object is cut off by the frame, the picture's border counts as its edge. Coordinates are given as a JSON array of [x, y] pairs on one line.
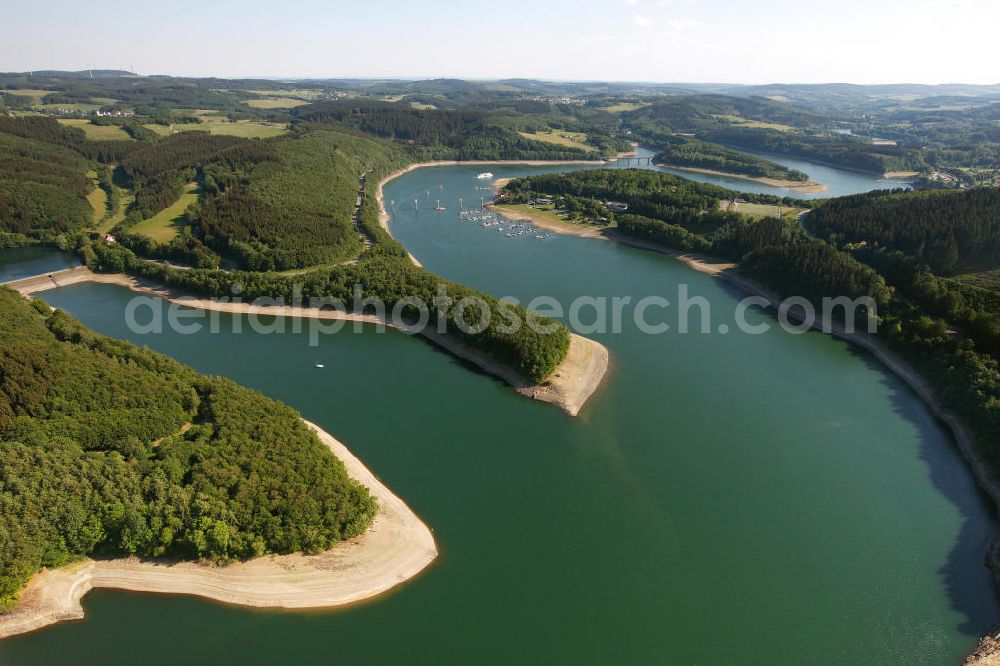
[[397, 547], [569, 387]]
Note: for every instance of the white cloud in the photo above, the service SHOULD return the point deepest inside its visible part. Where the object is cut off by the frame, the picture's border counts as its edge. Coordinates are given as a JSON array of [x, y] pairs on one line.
[[679, 24], [641, 21], [632, 2]]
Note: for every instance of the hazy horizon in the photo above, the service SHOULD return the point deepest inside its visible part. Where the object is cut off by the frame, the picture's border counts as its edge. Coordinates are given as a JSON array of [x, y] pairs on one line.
[[630, 41], [473, 79]]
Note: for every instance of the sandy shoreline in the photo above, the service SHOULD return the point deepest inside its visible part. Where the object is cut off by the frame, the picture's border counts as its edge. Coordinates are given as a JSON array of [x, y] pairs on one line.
[[569, 387], [728, 270], [544, 222], [383, 216], [796, 185], [574, 380], [397, 547]]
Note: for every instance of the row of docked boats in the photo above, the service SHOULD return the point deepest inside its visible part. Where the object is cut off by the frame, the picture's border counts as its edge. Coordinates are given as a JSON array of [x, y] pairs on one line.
[[509, 228]]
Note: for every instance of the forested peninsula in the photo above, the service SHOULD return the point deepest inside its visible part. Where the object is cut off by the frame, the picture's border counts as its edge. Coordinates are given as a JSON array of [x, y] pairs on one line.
[[946, 326], [111, 450], [126, 470], [695, 154], [271, 214]]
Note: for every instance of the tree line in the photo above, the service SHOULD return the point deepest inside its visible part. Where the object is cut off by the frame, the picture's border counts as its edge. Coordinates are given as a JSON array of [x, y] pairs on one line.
[[111, 449], [918, 311], [463, 134], [949, 231], [704, 155], [531, 351]]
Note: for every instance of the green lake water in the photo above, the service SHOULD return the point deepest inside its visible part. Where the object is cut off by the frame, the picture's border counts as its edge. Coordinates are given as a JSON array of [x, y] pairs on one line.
[[724, 498], [21, 262], [839, 182]]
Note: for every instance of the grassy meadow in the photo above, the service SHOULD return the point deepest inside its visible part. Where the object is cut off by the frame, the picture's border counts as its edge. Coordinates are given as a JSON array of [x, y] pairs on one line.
[[96, 132], [275, 103], [165, 225], [561, 138]]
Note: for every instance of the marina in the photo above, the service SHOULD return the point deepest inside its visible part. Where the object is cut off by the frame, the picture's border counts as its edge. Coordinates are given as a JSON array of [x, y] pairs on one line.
[[494, 221], [703, 539]]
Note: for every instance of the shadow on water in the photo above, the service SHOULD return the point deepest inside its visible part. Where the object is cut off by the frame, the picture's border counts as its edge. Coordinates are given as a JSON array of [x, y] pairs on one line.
[[954, 479], [965, 572]]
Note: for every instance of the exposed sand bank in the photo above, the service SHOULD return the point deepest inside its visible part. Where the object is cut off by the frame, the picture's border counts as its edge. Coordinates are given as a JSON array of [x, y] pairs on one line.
[[380, 197], [396, 548], [796, 185], [896, 364], [569, 387], [546, 222], [573, 381]]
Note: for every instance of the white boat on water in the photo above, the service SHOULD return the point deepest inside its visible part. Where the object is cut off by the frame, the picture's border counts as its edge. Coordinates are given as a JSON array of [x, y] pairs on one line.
[[486, 175]]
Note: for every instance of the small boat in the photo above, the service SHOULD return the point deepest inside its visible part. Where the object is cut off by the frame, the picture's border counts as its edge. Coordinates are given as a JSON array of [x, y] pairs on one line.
[[486, 175], [439, 206], [320, 364]]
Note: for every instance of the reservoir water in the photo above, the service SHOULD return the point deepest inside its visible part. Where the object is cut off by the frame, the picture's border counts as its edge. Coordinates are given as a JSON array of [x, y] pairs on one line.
[[21, 262], [839, 182], [724, 498]]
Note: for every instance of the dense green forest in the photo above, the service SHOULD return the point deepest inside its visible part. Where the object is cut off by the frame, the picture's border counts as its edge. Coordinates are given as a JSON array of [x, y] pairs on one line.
[[949, 231], [874, 245], [920, 138], [703, 155], [916, 239], [759, 125], [291, 208], [466, 134], [43, 189], [266, 205], [47, 130], [532, 351], [950, 129], [838, 150], [661, 197], [111, 449], [765, 126]]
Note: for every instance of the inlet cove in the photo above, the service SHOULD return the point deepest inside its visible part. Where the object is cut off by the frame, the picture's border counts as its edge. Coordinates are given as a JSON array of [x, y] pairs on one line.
[[716, 488]]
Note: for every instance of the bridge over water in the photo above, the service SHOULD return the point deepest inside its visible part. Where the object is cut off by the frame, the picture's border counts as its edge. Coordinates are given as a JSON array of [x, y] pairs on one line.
[[628, 161]]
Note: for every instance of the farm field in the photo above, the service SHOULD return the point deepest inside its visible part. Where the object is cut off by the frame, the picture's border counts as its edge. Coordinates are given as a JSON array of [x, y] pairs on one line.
[[293, 92], [98, 199], [217, 125], [35, 95], [275, 103], [80, 107], [760, 210], [165, 225], [125, 200], [96, 132], [560, 138], [989, 280], [756, 124], [623, 107]]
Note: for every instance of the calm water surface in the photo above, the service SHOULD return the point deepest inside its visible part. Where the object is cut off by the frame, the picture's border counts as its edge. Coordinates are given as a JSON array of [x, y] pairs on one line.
[[838, 181], [723, 499], [21, 262]]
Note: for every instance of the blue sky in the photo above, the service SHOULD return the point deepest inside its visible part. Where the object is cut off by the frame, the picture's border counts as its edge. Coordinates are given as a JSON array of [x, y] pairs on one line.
[[859, 41]]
